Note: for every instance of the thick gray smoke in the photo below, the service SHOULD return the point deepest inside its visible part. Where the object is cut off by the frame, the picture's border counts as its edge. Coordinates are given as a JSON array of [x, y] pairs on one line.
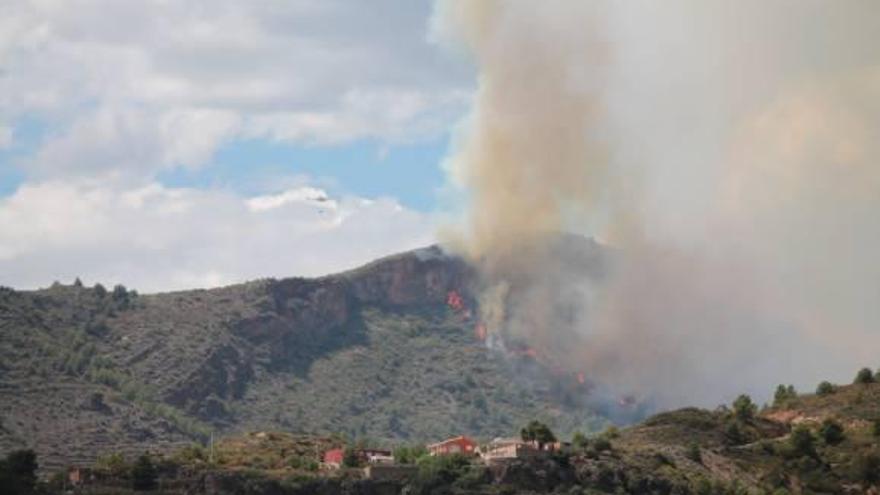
[[729, 153]]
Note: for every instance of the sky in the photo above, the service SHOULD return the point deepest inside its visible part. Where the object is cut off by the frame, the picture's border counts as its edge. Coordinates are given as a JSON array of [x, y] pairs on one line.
[[170, 145]]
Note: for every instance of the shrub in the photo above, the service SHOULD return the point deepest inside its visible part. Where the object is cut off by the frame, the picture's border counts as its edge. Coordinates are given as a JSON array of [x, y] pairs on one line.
[[784, 394], [579, 441], [436, 471], [409, 455], [143, 474], [601, 444], [693, 453], [350, 458], [802, 442], [611, 432], [864, 376], [114, 464], [190, 454], [744, 409], [831, 432], [18, 472], [825, 388], [734, 435], [866, 467]]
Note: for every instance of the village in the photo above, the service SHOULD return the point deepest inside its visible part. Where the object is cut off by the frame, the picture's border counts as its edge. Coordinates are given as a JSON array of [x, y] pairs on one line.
[[383, 464], [316, 457]]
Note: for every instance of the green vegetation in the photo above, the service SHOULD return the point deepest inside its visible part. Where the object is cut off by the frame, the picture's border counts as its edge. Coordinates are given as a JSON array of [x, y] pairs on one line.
[[802, 442], [825, 388], [579, 441], [864, 376], [735, 450], [831, 432], [537, 432], [114, 464], [172, 368], [744, 409], [409, 454], [783, 395], [866, 467], [436, 472], [18, 473], [694, 453], [143, 474], [350, 457]]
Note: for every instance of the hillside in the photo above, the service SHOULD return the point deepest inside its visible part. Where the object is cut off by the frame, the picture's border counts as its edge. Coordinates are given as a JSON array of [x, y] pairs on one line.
[[375, 352], [803, 444]]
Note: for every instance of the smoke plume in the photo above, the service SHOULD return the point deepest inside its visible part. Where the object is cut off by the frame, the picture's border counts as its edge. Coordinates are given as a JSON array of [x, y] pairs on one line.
[[728, 154]]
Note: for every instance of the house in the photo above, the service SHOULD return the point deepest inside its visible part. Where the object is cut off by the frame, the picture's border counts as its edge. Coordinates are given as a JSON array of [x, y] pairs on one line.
[[376, 456], [333, 458], [507, 448], [458, 445]]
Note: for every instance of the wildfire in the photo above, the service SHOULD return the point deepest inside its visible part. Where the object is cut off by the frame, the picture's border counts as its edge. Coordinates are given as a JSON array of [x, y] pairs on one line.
[[454, 300]]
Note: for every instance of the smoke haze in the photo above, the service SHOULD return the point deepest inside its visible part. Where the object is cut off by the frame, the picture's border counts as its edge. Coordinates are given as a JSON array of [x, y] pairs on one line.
[[727, 150]]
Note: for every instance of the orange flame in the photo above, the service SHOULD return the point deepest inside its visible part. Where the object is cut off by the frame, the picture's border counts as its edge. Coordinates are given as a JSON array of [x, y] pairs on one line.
[[454, 300]]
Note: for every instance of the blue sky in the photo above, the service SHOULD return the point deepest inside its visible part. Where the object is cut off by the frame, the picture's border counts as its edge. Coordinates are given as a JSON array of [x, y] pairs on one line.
[[411, 173], [200, 143]]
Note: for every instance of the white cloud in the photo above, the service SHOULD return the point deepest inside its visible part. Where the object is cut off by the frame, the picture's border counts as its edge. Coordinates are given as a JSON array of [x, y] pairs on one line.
[[157, 238], [156, 84], [305, 195]]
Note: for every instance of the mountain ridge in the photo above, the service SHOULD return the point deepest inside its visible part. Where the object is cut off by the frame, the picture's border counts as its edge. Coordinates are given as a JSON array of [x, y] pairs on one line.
[[374, 351]]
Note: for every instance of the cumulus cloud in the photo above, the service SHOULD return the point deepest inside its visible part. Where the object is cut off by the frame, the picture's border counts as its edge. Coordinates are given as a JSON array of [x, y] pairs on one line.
[[122, 92], [157, 238], [162, 84]]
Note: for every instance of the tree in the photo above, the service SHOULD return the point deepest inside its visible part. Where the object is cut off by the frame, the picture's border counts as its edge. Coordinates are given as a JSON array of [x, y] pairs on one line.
[[100, 291], [350, 457], [734, 435], [579, 441], [120, 296], [143, 474], [825, 388], [112, 463], [831, 432], [694, 453], [864, 376], [18, 472], [784, 394], [802, 442], [537, 432], [409, 455], [744, 409]]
